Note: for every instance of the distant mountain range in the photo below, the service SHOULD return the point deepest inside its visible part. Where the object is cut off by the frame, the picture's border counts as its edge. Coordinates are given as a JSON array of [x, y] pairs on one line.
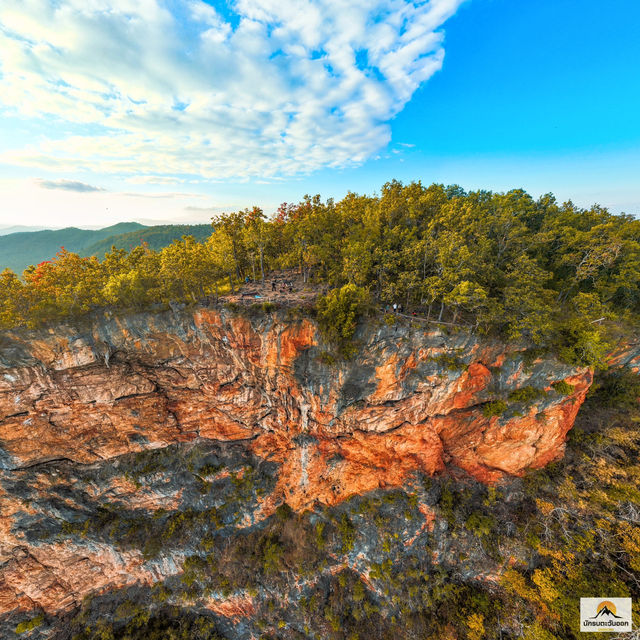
[[5, 229], [20, 249]]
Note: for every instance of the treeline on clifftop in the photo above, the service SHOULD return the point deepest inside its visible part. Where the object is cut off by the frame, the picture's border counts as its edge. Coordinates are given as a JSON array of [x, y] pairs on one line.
[[497, 262]]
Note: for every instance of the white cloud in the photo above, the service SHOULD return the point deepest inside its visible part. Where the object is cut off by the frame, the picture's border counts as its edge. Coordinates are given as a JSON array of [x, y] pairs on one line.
[[287, 88]]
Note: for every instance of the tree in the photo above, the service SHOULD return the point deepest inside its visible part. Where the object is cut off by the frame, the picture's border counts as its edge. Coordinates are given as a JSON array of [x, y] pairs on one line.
[[221, 252], [12, 300], [133, 280], [525, 306], [466, 295], [186, 269], [338, 315], [231, 227], [257, 232]]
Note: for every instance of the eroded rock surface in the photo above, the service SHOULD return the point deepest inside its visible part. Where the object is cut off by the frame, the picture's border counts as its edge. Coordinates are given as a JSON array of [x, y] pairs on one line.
[[78, 403]]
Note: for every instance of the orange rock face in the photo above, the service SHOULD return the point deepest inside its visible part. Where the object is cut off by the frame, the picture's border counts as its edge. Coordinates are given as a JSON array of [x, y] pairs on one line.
[[56, 577], [234, 607], [143, 382]]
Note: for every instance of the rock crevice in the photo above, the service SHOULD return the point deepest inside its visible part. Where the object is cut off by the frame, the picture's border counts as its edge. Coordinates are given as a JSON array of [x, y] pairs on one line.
[[397, 408]]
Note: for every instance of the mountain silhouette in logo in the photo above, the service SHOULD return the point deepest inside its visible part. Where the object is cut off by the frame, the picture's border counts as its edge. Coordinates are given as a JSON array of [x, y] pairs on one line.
[[605, 611]]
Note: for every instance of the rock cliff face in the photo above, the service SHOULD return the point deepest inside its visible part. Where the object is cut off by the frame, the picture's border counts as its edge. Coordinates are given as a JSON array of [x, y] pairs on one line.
[[138, 412]]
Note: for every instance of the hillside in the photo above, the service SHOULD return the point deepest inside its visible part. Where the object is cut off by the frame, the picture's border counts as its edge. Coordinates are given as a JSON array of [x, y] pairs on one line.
[[208, 474], [19, 250], [155, 237]]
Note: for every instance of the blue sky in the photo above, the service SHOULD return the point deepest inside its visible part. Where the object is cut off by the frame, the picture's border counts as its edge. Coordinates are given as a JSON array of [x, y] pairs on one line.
[[172, 111]]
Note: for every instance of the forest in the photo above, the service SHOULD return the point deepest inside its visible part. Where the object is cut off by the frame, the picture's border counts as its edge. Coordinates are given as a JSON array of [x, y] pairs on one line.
[[19, 250], [554, 275]]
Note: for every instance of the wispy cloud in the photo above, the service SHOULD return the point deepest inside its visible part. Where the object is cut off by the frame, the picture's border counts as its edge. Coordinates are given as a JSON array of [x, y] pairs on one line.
[[204, 209], [155, 180], [179, 89], [69, 185], [160, 196]]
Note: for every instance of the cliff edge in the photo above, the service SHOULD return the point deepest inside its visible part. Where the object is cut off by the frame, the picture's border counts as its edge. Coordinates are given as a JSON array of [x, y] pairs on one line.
[[252, 400]]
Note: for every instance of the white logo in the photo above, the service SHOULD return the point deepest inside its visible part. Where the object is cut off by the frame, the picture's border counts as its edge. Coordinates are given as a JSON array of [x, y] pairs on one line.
[[605, 614]]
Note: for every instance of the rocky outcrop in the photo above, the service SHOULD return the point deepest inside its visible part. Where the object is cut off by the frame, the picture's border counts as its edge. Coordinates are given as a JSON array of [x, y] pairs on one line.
[[414, 400]]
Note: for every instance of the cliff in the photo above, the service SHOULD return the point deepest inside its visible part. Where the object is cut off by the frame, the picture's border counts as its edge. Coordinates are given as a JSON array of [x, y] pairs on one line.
[[114, 428]]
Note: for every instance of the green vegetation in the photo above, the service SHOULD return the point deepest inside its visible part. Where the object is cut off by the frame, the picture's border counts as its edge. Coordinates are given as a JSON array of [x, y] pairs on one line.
[[338, 314], [500, 263], [347, 533], [135, 622], [29, 625], [449, 361], [494, 408], [580, 516], [222, 501], [563, 388], [619, 389], [480, 525], [19, 250], [526, 395], [155, 238]]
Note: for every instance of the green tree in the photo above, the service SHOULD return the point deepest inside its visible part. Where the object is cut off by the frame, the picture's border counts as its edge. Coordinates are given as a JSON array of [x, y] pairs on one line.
[[258, 236], [13, 309], [230, 227], [338, 315]]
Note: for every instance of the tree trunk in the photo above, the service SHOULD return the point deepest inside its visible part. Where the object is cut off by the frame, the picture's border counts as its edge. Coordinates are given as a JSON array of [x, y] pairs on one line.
[[235, 259], [262, 263], [441, 310], [231, 283]]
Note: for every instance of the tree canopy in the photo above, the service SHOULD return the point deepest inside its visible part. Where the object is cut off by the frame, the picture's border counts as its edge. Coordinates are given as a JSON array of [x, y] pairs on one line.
[[499, 262]]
